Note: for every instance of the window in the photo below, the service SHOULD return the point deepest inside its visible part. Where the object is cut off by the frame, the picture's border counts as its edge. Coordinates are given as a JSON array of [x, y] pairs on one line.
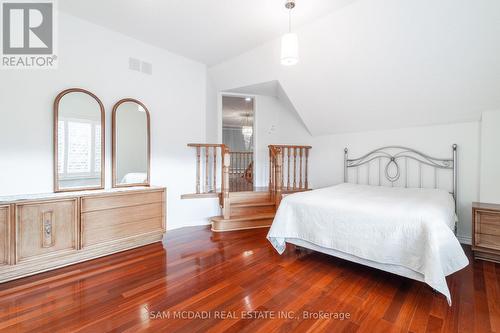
[[77, 139]]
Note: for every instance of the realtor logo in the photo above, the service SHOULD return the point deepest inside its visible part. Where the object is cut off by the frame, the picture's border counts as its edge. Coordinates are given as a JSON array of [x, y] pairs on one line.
[[28, 34]]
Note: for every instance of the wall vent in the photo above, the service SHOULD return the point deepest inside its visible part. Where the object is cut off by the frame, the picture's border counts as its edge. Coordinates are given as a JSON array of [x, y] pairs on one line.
[[138, 65], [134, 64], [147, 68]]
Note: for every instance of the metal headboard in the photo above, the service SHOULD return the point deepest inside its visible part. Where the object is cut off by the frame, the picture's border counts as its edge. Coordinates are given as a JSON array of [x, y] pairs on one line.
[[392, 157]]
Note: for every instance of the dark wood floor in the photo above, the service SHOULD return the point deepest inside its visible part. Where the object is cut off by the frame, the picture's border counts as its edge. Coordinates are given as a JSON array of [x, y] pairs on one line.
[[239, 272]]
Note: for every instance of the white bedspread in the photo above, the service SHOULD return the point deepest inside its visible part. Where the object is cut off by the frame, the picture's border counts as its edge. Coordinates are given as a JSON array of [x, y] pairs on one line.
[[412, 228]]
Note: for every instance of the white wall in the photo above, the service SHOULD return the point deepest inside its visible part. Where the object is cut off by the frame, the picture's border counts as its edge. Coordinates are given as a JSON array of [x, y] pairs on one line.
[[274, 124], [212, 115], [490, 157], [327, 157], [96, 59]]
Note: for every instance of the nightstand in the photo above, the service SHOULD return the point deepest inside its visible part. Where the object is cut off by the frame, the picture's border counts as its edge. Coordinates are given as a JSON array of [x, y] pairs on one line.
[[486, 231]]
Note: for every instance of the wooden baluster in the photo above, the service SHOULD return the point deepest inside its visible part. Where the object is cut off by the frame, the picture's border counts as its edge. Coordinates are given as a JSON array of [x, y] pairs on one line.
[[226, 163], [294, 168], [215, 170], [198, 166], [300, 173], [273, 171], [306, 167], [278, 175], [288, 168], [206, 170], [239, 170], [270, 170], [282, 175], [253, 169]]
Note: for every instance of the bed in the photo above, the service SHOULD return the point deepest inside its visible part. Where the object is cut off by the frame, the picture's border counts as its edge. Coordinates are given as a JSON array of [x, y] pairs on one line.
[[386, 219]]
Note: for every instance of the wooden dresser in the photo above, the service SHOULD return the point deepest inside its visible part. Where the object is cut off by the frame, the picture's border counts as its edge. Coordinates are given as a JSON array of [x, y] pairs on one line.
[[43, 232], [486, 231]]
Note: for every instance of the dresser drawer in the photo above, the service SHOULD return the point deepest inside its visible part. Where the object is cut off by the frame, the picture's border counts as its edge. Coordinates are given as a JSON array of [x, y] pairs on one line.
[[488, 241], [118, 200], [4, 235], [120, 217], [487, 223], [46, 229]]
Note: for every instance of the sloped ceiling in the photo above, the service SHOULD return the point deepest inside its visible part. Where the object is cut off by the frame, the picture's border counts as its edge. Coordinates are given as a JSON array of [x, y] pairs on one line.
[[384, 64]]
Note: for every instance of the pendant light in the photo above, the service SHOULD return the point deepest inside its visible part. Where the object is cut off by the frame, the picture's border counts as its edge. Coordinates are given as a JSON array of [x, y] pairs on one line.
[[289, 41]]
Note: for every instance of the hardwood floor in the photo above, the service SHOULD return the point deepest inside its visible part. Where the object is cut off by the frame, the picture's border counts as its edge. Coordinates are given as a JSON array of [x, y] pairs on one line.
[[239, 272]]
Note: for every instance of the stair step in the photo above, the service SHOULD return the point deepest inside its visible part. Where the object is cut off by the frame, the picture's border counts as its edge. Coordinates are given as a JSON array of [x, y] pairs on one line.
[[252, 204], [249, 197], [224, 225], [252, 217], [252, 208]]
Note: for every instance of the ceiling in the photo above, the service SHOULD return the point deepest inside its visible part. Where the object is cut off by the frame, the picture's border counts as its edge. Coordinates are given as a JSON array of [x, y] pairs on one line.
[[208, 31], [237, 111]]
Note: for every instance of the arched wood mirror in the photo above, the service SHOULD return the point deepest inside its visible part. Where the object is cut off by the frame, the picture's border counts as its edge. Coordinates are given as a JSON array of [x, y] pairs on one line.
[[131, 144], [79, 125]]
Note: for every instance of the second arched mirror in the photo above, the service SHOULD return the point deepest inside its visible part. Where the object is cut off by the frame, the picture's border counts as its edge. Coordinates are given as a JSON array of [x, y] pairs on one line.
[[131, 144]]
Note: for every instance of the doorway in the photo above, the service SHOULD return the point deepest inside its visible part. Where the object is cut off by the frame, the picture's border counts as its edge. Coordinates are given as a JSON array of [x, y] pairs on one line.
[[238, 135]]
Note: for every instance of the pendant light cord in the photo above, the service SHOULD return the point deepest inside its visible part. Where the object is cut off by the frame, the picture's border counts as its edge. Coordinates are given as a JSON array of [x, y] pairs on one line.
[[289, 20]]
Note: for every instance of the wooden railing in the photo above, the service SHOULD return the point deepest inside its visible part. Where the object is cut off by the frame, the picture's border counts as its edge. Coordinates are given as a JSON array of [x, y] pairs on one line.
[[211, 160], [288, 169], [241, 171]]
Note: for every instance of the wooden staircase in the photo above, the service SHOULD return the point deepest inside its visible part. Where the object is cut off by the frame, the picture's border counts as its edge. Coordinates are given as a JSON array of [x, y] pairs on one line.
[[288, 173], [248, 210]]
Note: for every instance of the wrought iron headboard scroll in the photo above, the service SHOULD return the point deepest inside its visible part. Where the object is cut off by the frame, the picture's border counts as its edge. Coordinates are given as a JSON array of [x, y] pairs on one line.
[[393, 154]]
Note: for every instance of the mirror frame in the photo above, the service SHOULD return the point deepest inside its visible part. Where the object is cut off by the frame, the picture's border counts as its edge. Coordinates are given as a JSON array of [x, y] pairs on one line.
[[113, 140], [63, 93]]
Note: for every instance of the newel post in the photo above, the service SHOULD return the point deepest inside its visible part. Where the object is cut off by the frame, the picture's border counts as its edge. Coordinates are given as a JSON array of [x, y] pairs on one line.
[[278, 169], [226, 162]]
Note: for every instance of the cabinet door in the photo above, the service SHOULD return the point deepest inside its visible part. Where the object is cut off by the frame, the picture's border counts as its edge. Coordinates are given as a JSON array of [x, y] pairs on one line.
[[46, 229], [4, 235]]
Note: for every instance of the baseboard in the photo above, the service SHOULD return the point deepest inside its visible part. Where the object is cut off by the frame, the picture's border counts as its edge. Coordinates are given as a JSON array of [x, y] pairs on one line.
[[465, 239], [190, 224]]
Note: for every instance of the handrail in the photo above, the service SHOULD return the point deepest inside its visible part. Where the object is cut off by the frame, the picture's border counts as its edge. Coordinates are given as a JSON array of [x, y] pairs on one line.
[[206, 145], [291, 146]]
